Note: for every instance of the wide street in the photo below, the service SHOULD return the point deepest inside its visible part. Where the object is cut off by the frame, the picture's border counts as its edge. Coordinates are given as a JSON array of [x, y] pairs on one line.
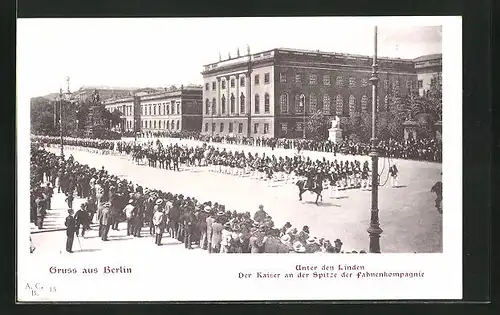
[[407, 214]]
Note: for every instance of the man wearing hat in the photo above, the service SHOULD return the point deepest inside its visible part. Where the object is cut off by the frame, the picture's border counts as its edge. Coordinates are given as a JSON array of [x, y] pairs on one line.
[[105, 220], [152, 226], [260, 214], [216, 235], [210, 221], [70, 230], [202, 226], [129, 211], [159, 223]]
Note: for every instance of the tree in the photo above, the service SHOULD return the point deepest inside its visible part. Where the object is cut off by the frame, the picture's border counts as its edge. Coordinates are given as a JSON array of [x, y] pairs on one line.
[[114, 117], [316, 126]]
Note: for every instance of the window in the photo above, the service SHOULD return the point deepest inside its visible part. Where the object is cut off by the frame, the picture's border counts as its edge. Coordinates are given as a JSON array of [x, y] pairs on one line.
[[255, 128], [154, 124], [284, 127], [256, 79], [386, 103], [266, 103], [165, 125], [266, 78], [240, 128], [206, 127], [313, 79], [232, 83], [172, 123], [168, 109], [266, 128], [214, 102], [339, 105], [300, 126], [221, 127], [149, 110], [207, 107], [364, 103], [223, 83], [352, 105], [326, 79], [206, 86], [313, 100], [154, 110], [408, 84], [178, 108], [233, 105], [339, 81], [242, 103], [257, 104], [386, 84], [395, 84], [298, 78], [326, 104], [282, 77], [433, 81], [214, 86], [213, 127], [420, 84], [230, 127], [299, 107], [284, 103], [223, 104], [150, 124], [178, 125], [242, 81], [352, 81], [364, 82]]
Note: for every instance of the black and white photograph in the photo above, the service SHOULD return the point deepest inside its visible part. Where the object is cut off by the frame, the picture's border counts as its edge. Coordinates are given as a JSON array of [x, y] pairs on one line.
[[162, 144]]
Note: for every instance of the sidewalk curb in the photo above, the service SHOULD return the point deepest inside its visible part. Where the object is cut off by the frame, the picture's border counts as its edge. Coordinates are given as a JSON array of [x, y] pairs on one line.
[[56, 229]]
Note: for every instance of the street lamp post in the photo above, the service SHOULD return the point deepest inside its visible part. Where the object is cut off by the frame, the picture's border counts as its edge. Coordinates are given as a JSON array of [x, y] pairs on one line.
[[303, 104], [374, 230], [60, 122]]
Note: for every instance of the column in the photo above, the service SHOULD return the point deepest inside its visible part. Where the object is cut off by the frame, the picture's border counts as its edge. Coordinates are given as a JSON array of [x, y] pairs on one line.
[[228, 84], [219, 105], [248, 108], [237, 98]]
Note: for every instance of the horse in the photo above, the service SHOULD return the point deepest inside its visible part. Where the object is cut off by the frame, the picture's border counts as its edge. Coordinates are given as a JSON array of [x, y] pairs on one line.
[[317, 189]]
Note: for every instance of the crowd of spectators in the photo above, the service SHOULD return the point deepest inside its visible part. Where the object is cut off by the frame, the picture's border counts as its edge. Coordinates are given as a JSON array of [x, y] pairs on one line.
[[209, 225]]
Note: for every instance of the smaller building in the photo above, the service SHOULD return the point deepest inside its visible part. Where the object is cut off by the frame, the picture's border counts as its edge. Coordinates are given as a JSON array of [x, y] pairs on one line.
[[429, 69], [171, 110]]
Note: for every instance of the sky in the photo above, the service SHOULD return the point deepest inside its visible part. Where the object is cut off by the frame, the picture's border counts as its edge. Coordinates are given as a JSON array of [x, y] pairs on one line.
[[162, 52]]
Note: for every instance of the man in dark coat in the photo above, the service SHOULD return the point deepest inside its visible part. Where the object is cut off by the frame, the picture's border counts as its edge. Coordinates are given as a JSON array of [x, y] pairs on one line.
[[70, 230]]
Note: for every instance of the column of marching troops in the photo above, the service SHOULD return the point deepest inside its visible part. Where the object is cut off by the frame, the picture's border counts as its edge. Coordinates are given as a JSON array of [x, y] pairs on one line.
[[425, 149], [111, 200], [337, 176]]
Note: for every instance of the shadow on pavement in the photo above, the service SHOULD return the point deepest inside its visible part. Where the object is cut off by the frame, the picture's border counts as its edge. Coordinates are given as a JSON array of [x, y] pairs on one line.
[[89, 250]]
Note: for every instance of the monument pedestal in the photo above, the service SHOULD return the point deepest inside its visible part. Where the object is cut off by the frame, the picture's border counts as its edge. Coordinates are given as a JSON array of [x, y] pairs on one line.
[[335, 135]]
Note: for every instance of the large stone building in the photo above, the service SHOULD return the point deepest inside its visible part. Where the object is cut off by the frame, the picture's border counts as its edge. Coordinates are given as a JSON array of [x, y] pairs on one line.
[[429, 69], [259, 94], [173, 109]]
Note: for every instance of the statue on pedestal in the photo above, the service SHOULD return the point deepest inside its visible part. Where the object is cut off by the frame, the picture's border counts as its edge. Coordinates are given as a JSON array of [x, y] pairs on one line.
[[335, 133], [335, 122]]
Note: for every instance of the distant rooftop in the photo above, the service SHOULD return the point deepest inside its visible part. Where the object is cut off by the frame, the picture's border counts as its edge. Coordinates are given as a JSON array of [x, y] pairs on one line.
[[306, 51], [428, 57], [104, 87]]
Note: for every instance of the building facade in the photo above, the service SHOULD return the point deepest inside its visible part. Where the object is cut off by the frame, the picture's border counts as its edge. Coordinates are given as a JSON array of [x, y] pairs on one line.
[[171, 110], [258, 95], [174, 110], [429, 69]]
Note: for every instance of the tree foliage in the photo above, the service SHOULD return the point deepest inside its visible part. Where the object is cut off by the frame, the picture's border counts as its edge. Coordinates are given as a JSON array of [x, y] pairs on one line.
[[316, 126]]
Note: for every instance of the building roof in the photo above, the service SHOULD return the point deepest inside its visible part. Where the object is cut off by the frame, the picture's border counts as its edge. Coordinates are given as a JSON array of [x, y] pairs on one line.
[[338, 54], [104, 87], [428, 57]]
